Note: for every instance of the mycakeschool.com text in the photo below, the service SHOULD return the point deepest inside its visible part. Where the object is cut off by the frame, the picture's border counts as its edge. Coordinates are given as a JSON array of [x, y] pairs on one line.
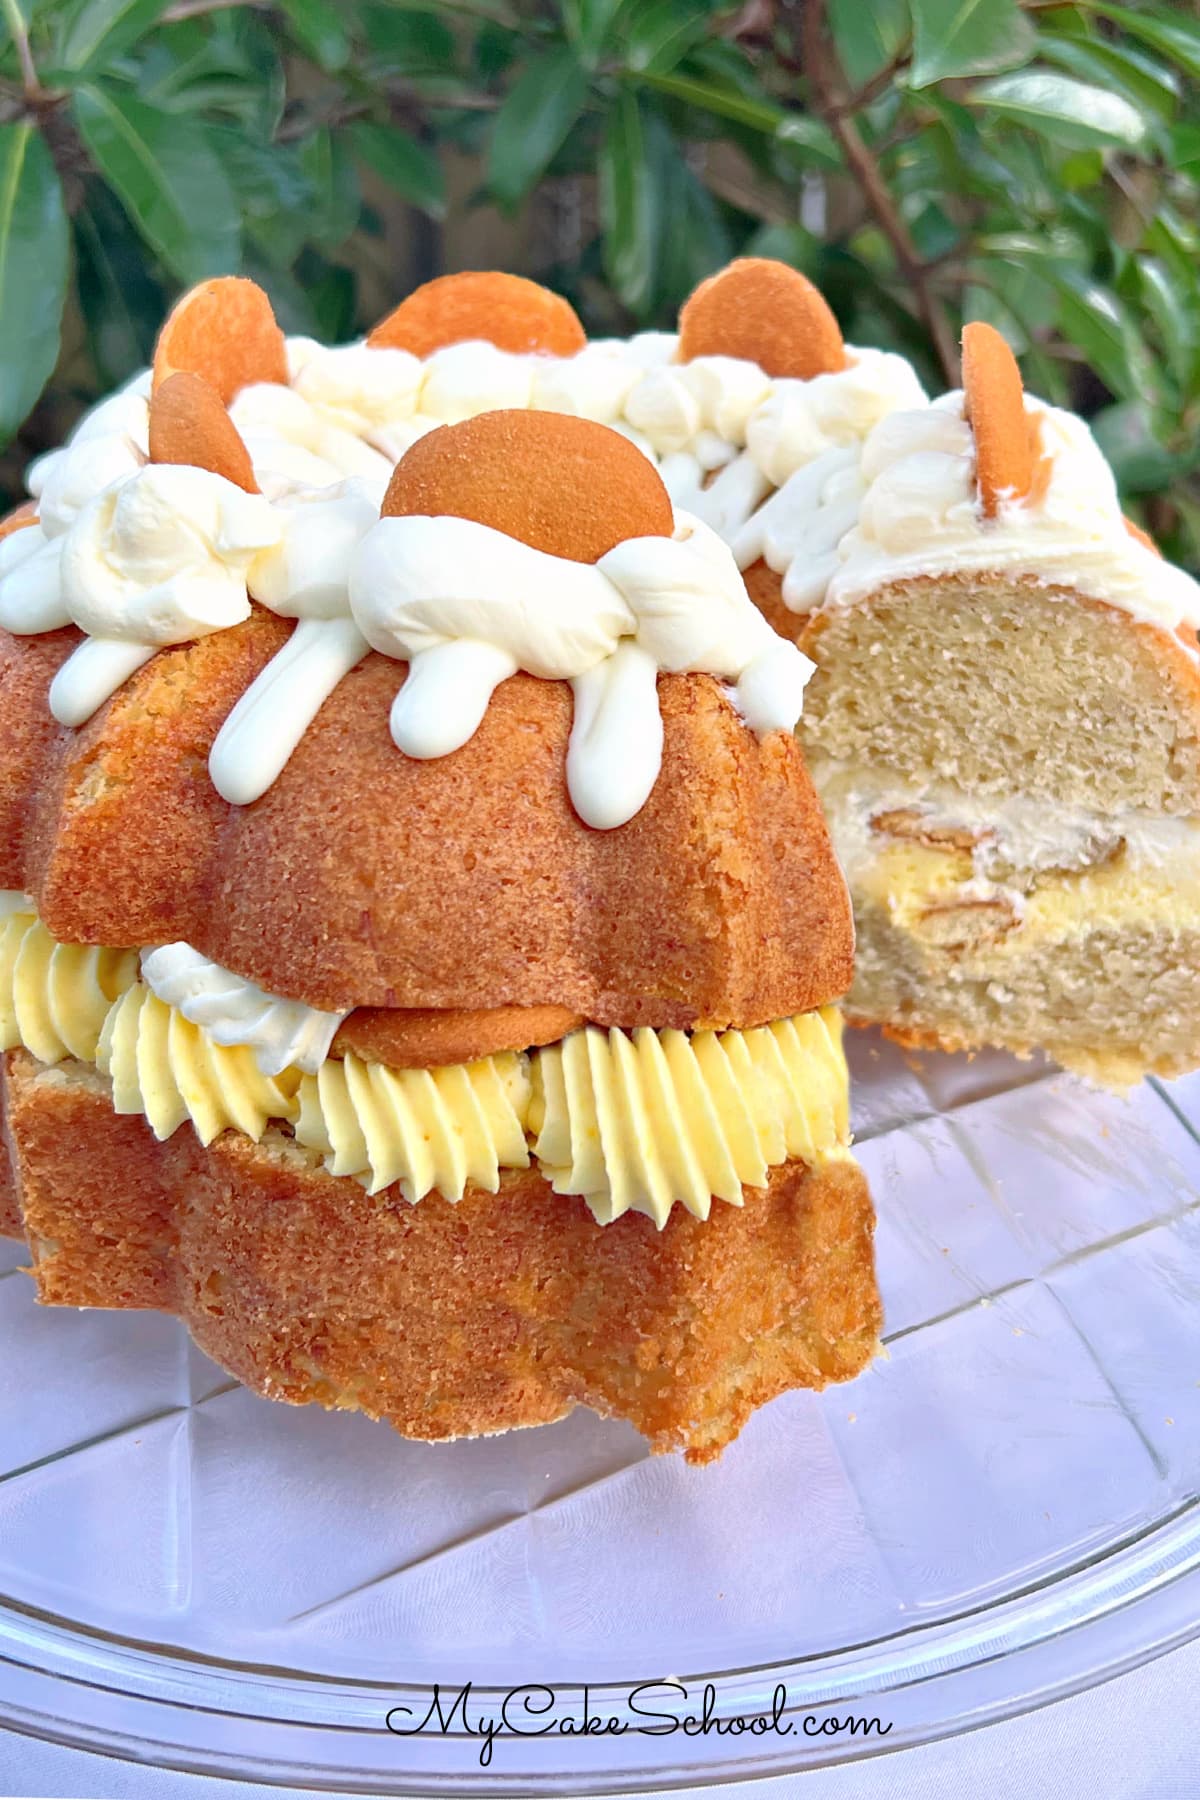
[[650, 1709]]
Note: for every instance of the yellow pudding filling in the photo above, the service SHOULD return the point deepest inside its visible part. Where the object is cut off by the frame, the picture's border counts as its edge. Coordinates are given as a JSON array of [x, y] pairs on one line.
[[631, 1121], [934, 894]]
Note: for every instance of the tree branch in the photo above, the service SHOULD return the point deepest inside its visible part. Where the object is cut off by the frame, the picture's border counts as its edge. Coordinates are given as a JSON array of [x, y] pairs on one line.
[[878, 84], [34, 91], [195, 9], [836, 110]]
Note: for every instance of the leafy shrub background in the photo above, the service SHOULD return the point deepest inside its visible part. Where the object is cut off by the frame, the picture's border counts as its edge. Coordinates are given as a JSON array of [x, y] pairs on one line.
[[925, 161]]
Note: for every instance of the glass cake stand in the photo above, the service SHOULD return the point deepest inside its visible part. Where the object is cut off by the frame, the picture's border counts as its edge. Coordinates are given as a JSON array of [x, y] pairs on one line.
[[1002, 1511]]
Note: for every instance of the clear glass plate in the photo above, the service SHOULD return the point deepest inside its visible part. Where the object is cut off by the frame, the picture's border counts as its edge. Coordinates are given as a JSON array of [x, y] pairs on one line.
[[1001, 1511]]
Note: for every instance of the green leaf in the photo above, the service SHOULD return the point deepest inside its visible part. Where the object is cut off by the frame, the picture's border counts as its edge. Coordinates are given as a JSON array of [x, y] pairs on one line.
[[627, 209], [1092, 318], [867, 35], [272, 191], [33, 270], [699, 239], [659, 34], [410, 168], [167, 176], [336, 204], [793, 244], [967, 37], [1185, 149], [98, 31], [330, 293], [1140, 463], [320, 31], [1137, 78], [760, 115], [1175, 310], [1177, 38], [409, 42], [538, 112], [1058, 243], [1069, 112], [1081, 170], [587, 23], [1175, 240], [121, 303]]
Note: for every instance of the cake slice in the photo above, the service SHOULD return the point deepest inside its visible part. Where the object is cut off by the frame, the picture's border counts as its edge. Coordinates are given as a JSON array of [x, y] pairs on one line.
[[1004, 728]]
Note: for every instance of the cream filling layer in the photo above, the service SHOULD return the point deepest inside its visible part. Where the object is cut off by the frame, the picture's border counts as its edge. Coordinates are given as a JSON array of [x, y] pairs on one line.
[[997, 878], [637, 1121]]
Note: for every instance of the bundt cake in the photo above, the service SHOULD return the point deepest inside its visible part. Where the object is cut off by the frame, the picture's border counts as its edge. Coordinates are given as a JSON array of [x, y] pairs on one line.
[[420, 933]]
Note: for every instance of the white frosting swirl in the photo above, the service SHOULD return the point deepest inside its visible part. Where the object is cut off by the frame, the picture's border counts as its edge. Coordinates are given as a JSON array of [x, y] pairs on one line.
[[163, 557], [282, 1034], [108, 445], [304, 573], [920, 515], [159, 559], [294, 444], [358, 387], [798, 530], [801, 420]]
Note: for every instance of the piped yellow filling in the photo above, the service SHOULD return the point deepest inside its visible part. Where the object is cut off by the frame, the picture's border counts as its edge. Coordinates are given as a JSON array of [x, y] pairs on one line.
[[637, 1121], [632, 1121]]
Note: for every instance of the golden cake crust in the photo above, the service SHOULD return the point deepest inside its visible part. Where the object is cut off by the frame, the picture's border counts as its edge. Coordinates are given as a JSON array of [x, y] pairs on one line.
[[363, 878], [501, 1311]]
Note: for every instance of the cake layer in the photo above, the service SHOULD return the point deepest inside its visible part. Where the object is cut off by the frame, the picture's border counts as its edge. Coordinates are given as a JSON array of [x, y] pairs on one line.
[[1004, 685], [365, 878], [501, 1311]]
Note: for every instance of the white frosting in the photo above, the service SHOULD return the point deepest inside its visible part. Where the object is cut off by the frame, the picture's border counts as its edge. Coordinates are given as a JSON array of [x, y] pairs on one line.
[[467, 606], [704, 411], [802, 419], [304, 576], [140, 556], [920, 515], [31, 593], [798, 530], [163, 558], [358, 387], [304, 573], [281, 1033], [295, 445], [159, 559], [109, 444]]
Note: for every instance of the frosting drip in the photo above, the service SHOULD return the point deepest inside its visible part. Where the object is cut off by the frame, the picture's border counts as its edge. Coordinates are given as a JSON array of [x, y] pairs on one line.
[[920, 516], [467, 606]]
